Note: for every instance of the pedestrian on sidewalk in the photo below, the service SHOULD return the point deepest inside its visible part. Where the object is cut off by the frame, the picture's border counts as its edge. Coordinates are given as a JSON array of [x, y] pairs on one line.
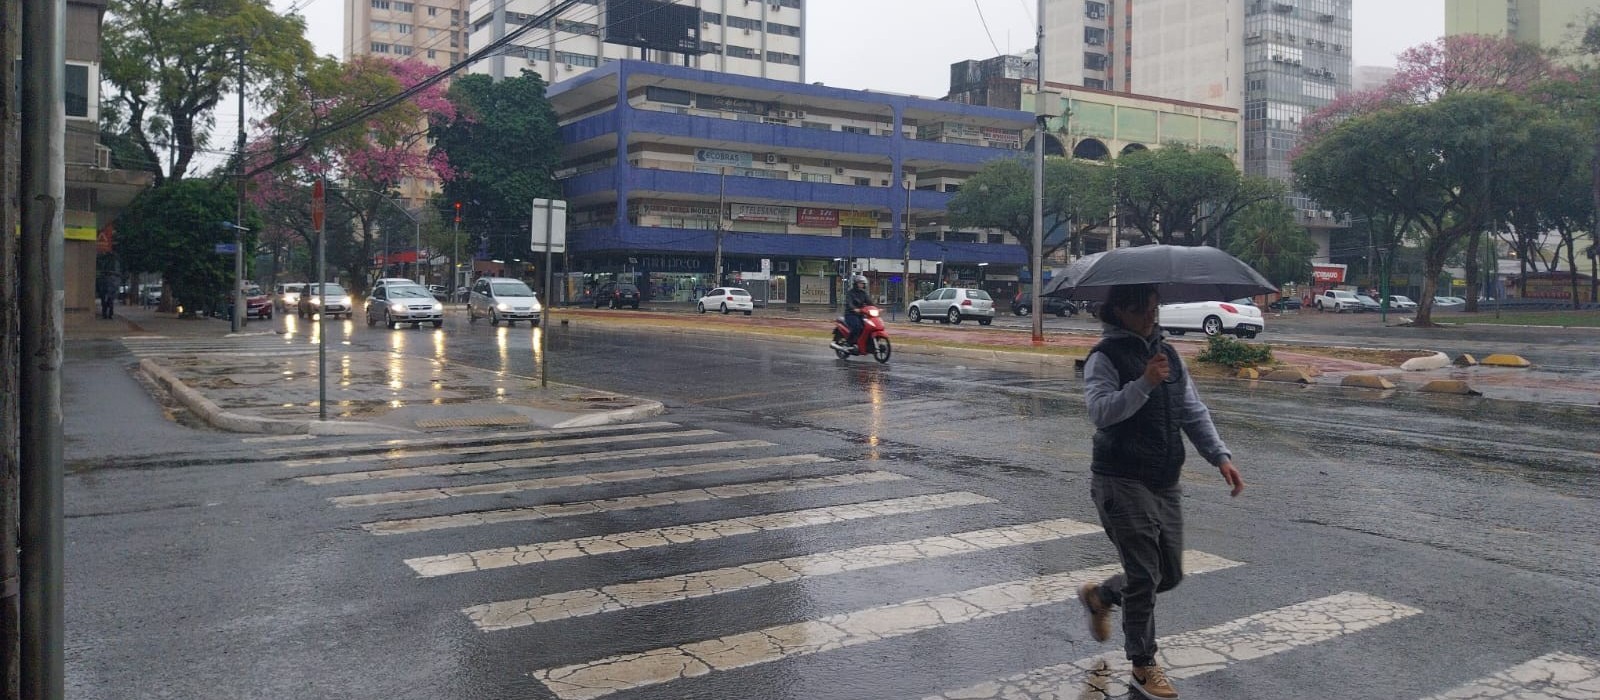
[[106, 290], [1140, 397]]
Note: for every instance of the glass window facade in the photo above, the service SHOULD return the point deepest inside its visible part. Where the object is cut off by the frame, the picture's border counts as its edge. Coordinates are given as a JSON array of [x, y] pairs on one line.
[[1297, 60]]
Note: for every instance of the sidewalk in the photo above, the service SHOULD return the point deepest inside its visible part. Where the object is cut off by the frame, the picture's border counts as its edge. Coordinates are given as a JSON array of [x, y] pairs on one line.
[[257, 381]]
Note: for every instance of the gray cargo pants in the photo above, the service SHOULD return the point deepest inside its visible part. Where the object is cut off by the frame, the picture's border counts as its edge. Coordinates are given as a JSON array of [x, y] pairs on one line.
[[1146, 525]]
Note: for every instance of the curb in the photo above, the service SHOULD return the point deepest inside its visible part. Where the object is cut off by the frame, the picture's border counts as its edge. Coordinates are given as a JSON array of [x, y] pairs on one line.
[[239, 423], [621, 415]]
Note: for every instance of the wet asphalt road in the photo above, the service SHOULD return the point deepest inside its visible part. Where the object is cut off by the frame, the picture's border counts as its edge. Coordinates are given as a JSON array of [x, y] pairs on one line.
[[205, 569]]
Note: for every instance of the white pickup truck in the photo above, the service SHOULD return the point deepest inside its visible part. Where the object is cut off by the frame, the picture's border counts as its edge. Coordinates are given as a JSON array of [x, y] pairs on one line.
[[1340, 300]]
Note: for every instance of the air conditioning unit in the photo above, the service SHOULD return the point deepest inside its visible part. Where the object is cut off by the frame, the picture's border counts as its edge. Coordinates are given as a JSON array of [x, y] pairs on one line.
[[838, 171], [746, 30], [795, 167], [786, 114], [799, 114], [772, 158], [567, 66], [1326, 214]]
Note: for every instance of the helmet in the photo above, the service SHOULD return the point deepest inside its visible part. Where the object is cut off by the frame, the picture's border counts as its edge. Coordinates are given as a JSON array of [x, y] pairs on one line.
[[858, 279]]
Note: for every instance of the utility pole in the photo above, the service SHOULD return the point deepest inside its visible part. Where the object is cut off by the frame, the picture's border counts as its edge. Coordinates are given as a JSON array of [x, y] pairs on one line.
[[455, 274], [42, 194], [1042, 125], [905, 252], [722, 210], [239, 306]]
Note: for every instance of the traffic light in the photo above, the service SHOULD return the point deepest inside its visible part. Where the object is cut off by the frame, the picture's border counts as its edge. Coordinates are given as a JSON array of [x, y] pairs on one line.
[[458, 212]]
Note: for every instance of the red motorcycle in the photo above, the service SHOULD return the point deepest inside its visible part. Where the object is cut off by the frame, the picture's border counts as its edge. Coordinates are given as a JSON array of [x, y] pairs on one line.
[[874, 339]]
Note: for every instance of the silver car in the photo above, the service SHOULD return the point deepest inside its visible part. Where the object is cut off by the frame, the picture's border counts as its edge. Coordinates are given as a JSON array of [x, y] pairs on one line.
[[503, 299], [954, 305], [396, 303]]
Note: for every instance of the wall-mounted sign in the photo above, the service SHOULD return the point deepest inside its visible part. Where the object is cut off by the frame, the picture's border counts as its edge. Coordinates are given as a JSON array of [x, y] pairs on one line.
[[732, 159], [817, 218], [731, 104], [763, 212], [1327, 274], [862, 219]]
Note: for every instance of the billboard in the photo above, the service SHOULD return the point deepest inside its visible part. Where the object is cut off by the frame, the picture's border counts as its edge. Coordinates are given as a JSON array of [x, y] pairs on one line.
[[654, 24]]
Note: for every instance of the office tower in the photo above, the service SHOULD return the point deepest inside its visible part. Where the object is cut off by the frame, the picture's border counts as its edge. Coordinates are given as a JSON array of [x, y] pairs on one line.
[[1553, 24], [1187, 50]]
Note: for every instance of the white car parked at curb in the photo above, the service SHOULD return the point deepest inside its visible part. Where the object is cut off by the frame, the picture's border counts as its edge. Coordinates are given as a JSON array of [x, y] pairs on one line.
[[1240, 317]]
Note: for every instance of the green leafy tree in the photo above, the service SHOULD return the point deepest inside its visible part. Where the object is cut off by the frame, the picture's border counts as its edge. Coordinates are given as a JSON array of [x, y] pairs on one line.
[[1181, 196], [1438, 166], [169, 62], [1077, 199], [174, 230], [503, 143], [1266, 237]]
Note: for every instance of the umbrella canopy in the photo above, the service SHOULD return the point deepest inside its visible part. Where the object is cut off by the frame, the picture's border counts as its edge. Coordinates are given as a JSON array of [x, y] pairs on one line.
[[1074, 270], [1183, 273]]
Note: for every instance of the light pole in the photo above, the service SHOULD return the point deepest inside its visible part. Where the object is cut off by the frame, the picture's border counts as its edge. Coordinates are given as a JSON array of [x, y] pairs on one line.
[[1042, 124]]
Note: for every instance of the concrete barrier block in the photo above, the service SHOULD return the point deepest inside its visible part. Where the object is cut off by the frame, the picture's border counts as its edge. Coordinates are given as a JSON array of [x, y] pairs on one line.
[[1437, 360], [1466, 360], [1297, 376], [1367, 381], [1503, 360], [1249, 373], [1449, 386]]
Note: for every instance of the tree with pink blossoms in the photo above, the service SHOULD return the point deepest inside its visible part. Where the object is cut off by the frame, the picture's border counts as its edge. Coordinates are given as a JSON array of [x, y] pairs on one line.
[[364, 165]]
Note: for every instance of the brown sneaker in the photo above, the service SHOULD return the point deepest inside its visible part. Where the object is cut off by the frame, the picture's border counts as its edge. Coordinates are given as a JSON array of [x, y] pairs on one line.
[[1099, 613], [1152, 683]]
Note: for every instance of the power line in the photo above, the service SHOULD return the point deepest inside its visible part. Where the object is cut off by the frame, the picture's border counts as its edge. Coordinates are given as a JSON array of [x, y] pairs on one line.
[[986, 31]]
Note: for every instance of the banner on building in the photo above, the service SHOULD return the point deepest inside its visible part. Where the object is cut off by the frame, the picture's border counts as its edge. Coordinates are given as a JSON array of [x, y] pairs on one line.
[[730, 104], [1005, 138], [817, 218], [1328, 274], [763, 212], [860, 219], [732, 159]]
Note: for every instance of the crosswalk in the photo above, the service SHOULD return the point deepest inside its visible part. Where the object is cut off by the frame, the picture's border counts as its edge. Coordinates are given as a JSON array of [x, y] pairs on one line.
[[691, 516], [252, 345]]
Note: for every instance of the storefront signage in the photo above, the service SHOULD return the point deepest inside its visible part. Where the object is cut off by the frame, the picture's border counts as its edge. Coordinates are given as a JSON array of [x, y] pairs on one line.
[[763, 212], [732, 159], [668, 95], [1327, 274], [1003, 137], [731, 104], [817, 218], [677, 210], [861, 219], [670, 263]]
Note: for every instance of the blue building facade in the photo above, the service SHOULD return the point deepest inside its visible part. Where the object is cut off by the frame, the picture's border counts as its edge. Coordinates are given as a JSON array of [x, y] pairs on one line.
[[798, 183]]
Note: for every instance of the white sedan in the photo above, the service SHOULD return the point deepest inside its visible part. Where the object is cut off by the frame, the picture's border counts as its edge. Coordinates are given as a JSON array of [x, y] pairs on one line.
[[727, 300], [1240, 317]]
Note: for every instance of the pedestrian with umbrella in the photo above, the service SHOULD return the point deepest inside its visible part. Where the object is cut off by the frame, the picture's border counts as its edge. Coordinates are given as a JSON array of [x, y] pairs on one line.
[[1142, 401]]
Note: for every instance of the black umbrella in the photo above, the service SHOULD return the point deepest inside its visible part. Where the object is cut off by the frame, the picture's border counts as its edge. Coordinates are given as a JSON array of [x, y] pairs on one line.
[[1183, 273], [1075, 269]]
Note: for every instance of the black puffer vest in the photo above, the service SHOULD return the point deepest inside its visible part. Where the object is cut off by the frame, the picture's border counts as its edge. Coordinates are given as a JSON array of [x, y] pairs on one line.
[[1148, 446]]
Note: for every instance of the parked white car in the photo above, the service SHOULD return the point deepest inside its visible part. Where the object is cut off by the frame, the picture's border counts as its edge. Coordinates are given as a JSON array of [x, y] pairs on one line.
[[727, 300], [503, 299], [954, 305], [1402, 302], [1340, 300], [1240, 317]]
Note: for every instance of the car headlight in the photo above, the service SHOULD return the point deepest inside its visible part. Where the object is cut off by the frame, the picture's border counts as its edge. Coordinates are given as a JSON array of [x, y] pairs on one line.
[[343, 301], [438, 306], [503, 307], [537, 307], [397, 306]]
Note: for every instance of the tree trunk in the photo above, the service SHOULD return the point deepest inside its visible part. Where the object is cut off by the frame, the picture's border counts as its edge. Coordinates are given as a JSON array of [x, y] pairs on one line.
[[1572, 266], [1474, 278]]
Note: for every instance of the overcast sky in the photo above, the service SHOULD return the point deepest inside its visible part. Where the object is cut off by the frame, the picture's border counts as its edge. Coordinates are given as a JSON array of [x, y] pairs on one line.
[[907, 46]]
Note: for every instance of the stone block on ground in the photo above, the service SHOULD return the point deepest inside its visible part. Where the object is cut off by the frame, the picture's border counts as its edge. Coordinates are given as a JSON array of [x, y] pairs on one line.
[[1249, 373], [1466, 360], [1294, 375], [1504, 360], [1437, 360], [1449, 386], [1367, 381]]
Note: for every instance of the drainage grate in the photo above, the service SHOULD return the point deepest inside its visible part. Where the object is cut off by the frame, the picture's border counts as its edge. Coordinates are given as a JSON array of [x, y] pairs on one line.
[[471, 422]]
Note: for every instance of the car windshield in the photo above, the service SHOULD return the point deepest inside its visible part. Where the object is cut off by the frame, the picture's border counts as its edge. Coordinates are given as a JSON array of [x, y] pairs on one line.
[[332, 289], [1401, 299], [1366, 299], [978, 294], [408, 292], [1243, 302], [511, 289]]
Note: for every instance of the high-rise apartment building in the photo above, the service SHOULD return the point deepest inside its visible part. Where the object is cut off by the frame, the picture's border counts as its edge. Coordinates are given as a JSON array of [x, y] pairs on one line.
[[757, 38], [1549, 23], [1188, 50], [1297, 60], [432, 31]]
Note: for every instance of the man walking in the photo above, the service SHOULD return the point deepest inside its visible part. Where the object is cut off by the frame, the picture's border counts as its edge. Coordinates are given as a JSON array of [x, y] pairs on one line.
[[1142, 401]]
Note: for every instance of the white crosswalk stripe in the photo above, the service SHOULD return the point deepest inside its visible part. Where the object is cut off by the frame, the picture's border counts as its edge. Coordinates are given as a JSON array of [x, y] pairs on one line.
[[399, 445], [260, 345], [1556, 676], [647, 500], [523, 555], [518, 447], [1202, 651], [501, 465], [629, 671], [556, 482], [636, 594]]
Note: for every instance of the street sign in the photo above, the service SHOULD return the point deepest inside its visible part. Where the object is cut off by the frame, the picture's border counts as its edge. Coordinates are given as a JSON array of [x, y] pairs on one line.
[[549, 226], [319, 207], [227, 248], [766, 265]]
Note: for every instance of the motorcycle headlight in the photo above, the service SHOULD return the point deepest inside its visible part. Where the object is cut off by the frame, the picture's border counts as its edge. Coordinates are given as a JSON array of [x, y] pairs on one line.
[[873, 313]]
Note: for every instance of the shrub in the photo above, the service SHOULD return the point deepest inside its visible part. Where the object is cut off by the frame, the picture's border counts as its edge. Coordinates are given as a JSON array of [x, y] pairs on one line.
[[1223, 350]]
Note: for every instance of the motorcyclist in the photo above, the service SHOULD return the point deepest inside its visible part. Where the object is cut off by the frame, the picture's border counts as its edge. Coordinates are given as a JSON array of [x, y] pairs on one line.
[[855, 309]]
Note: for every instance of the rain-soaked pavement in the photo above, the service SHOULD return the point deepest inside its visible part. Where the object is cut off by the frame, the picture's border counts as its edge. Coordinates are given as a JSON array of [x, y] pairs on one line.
[[803, 527]]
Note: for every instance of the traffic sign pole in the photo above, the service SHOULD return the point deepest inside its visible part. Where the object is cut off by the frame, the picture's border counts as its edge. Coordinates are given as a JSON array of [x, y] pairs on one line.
[[318, 218]]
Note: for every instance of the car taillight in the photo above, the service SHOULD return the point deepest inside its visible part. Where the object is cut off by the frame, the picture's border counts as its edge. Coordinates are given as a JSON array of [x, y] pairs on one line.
[[1228, 308], [730, 298], [966, 302]]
